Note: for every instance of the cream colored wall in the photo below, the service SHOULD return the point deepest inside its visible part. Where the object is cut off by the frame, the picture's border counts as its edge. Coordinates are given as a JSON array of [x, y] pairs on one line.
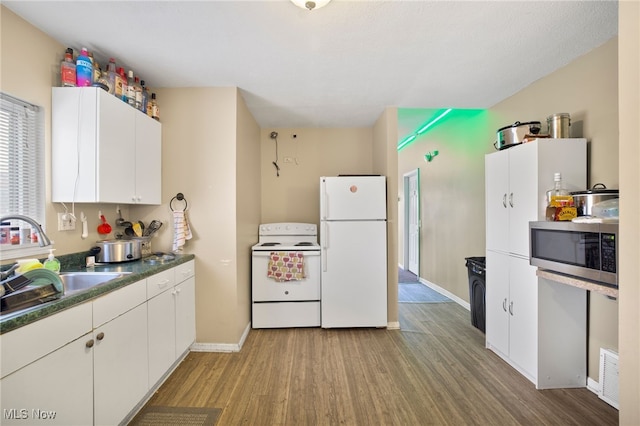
[[294, 196], [385, 162], [33, 84], [200, 159], [629, 101], [248, 206], [451, 196], [452, 185]]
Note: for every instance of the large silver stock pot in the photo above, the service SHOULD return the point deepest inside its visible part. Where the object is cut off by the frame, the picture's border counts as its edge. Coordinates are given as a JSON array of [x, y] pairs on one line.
[[514, 134]]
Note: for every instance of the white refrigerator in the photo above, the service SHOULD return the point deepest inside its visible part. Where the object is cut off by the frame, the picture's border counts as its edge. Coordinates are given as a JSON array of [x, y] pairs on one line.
[[353, 239]]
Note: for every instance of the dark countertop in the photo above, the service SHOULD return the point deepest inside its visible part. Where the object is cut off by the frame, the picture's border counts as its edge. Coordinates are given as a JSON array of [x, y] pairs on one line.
[[138, 270]]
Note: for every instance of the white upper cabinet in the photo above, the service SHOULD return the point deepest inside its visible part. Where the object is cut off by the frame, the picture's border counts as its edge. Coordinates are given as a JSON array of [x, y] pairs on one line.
[[516, 183], [103, 150]]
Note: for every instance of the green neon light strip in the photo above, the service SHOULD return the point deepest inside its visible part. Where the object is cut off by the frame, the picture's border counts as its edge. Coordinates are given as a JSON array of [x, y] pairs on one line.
[[432, 122], [406, 141]]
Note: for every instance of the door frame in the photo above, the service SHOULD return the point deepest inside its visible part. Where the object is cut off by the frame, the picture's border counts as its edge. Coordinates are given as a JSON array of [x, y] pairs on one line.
[[405, 252]]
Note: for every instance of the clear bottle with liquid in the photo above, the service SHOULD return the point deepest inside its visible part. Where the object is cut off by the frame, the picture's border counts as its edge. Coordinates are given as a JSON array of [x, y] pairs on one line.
[[111, 75], [131, 89], [152, 108], [137, 90], [124, 87], [145, 97], [559, 201]]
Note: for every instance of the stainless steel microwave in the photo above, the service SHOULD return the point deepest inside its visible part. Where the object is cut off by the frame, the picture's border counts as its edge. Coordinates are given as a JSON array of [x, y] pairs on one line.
[[583, 250]]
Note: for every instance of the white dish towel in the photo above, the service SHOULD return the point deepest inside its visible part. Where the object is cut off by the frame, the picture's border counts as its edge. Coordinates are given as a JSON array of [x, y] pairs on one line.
[[181, 230]]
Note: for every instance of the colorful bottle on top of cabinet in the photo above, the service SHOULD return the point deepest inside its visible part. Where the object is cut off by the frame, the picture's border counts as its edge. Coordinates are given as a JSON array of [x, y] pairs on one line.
[[84, 69]]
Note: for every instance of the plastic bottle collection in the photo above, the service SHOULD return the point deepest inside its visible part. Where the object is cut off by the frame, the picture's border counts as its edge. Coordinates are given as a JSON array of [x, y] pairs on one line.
[[84, 71]]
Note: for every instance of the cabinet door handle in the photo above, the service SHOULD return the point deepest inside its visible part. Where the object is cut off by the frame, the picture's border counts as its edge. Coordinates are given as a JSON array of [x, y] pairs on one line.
[[89, 343], [100, 336], [511, 199], [511, 308], [504, 200], [163, 283], [504, 304]]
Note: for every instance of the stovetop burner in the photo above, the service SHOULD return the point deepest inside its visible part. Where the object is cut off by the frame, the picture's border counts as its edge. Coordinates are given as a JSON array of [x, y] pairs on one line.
[[304, 243], [269, 244]]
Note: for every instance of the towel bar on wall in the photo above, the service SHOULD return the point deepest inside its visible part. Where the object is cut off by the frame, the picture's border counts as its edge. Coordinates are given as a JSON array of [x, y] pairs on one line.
[[180, 197]]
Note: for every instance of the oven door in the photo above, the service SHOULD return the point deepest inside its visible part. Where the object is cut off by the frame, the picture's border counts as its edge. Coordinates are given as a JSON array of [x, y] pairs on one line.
[[266, 289]]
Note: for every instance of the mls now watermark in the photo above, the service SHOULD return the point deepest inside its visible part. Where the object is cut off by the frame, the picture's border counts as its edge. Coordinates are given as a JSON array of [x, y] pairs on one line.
[[25, 414]]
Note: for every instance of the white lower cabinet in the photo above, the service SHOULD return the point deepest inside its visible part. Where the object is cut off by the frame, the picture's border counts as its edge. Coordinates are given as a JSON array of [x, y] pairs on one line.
[[162, 334], [95, 362], [171, 317], [185, 315], [511, 310], [54, 390], [120, 366], [536, 325]]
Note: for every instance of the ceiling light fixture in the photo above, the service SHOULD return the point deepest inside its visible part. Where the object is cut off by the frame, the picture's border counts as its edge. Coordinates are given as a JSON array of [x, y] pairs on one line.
[[310, 4]]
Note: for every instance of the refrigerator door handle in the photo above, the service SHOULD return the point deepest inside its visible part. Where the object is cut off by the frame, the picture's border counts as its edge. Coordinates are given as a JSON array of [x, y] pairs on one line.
[[324, 237], [325, 199]]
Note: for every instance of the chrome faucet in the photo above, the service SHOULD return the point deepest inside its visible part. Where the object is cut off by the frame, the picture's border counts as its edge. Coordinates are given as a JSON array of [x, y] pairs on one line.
[[43, 240]]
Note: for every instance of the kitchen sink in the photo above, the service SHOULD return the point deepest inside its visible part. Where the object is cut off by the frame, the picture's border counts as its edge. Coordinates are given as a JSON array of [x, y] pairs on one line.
[[78, 281]]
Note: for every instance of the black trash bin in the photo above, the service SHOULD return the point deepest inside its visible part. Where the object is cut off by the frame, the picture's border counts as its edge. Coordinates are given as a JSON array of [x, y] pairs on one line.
[[476, 268]]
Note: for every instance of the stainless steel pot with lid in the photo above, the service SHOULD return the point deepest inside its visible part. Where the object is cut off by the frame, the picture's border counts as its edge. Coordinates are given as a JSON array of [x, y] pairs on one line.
[[515, 134], [559, 125], [584, 200], [116, 251]]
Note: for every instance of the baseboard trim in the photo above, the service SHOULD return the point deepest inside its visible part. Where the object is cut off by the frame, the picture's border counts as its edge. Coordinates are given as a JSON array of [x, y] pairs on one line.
[[393, 325], [446, 293], [222, 347], [593, 386]]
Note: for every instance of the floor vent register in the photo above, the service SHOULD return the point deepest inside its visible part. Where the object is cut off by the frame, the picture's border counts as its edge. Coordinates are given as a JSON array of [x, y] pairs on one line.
[[609, 377]]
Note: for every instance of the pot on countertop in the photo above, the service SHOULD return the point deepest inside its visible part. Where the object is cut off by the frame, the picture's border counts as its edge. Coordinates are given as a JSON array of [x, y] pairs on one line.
[[116, 251], [515, 134], [584, 200]]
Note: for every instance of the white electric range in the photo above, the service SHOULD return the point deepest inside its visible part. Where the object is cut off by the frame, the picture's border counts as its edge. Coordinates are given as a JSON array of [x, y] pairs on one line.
[[285, 276]]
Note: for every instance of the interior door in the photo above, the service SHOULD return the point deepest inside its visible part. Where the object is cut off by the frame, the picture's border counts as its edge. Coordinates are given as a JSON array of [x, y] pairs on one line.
[[412, 214]]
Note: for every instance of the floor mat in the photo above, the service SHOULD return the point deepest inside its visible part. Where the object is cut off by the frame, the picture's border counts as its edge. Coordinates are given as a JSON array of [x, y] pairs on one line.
[[405, 276], [419, 293], [176, 416]]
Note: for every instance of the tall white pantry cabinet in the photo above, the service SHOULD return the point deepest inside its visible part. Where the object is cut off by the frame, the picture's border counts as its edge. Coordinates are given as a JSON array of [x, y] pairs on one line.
[[535, 325]]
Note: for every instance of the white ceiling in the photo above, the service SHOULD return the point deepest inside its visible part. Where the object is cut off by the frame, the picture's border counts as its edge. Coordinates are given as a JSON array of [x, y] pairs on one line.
[[338, 66]]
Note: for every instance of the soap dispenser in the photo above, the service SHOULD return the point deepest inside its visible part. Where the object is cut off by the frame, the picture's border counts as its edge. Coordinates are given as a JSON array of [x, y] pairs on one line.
[[52, 263]]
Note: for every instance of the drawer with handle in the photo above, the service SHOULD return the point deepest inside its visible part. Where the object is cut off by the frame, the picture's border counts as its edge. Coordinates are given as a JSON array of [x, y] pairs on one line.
[[159, 282]]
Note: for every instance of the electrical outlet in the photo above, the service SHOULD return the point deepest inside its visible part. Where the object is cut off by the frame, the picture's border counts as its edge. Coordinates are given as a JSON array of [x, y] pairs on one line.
[[66, 222], [288, 160]]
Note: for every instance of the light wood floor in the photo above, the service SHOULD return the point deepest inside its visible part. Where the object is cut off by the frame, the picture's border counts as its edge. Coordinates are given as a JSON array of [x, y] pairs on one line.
[[435, 370]]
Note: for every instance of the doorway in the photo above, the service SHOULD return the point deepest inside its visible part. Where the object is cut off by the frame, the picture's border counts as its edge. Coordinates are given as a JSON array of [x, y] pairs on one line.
[[411, 230]]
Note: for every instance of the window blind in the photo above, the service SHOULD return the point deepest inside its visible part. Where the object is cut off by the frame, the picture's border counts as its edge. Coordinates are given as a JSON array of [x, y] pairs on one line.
[[22, 174]]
